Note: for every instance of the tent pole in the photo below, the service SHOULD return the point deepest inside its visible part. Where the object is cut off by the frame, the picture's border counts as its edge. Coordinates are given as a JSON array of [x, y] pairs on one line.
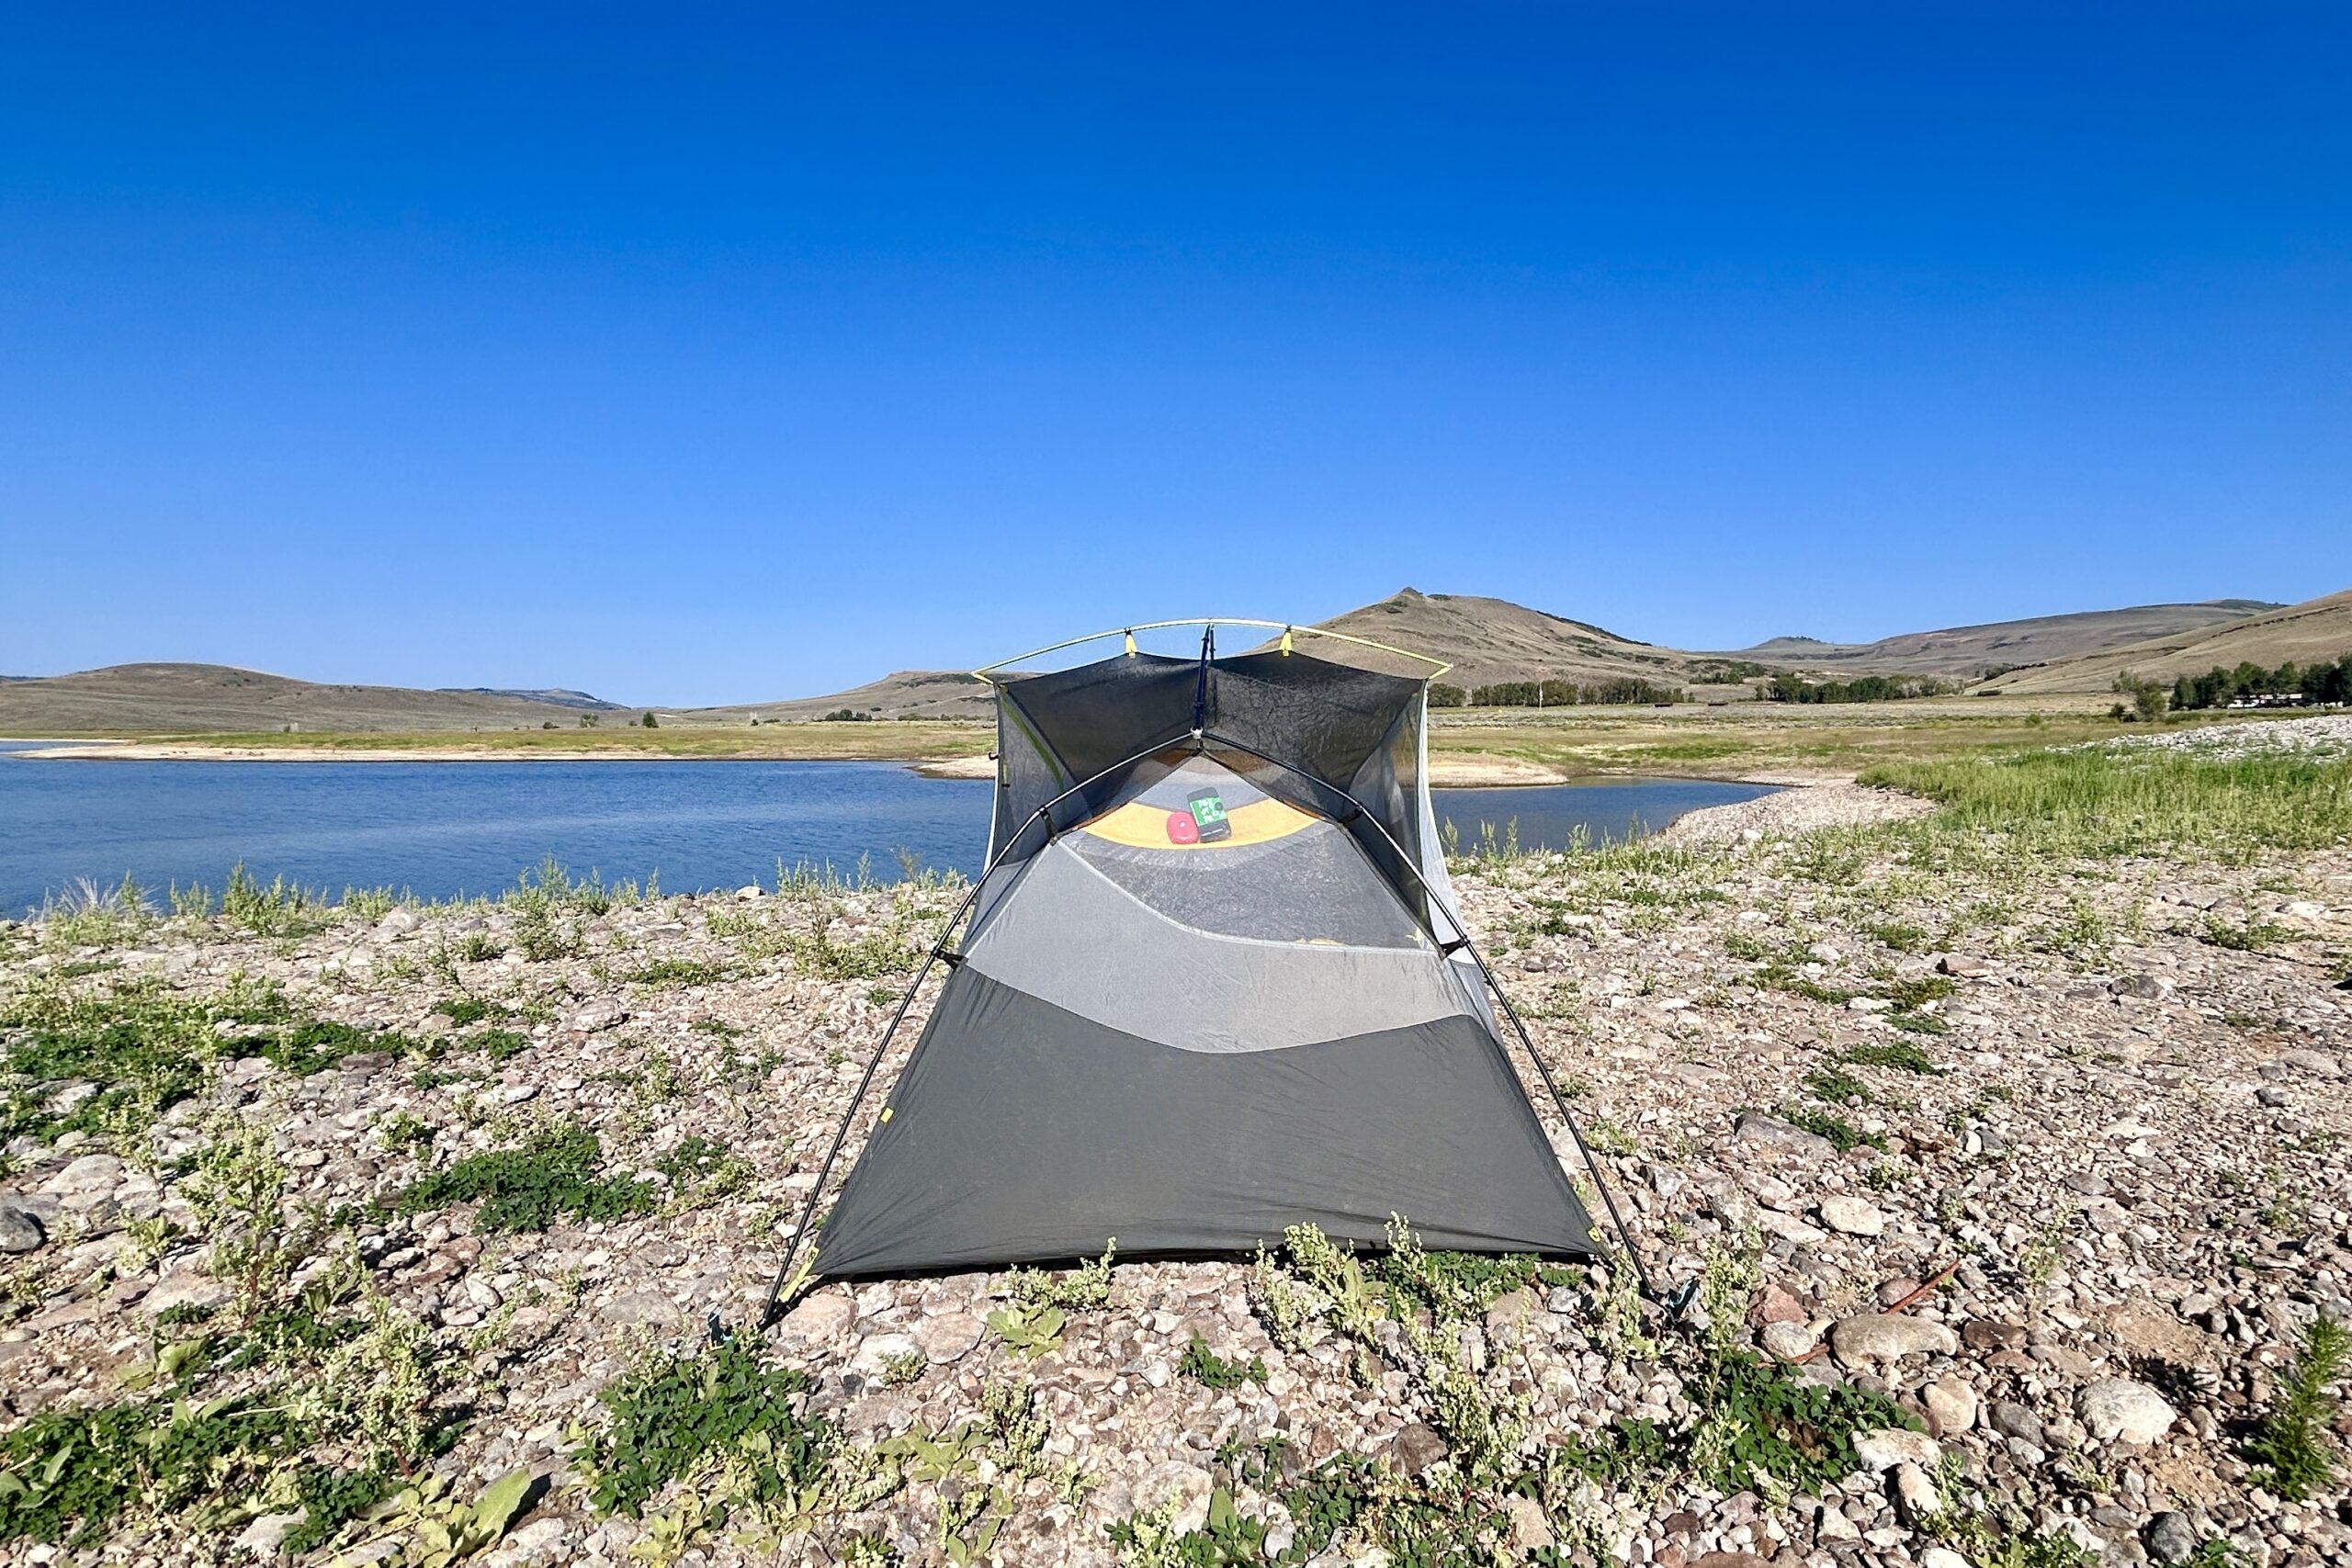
[[938, 952], [1542, 1068]]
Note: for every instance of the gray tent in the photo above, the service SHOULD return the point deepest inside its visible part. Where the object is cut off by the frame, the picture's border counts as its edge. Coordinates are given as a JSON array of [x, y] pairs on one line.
[[1212, 985]]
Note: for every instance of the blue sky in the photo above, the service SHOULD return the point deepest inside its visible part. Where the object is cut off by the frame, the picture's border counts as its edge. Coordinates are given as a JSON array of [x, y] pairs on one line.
[[701, 353]]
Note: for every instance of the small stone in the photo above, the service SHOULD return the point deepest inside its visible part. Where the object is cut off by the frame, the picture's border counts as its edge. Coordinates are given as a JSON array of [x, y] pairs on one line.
[[183, 1288], [947, 1336], [2170, 1536], [1788, 1340], [90, 1178], [1951, 1406], [1530, 1530], [262, 1537], [598, 1016], [19, 1231], [1891, 1446], [1990, 1334], [1776, 1304], [1941, 1557], [1914, 1495], [821, 1319], [876, 1352], [2316, 1063], [1963, 965], [2011, 1419], [1415, 1450], [2140, 987], [1756, 1127], [651, 1308], [1731, 1559], [398, 922], [2120, 1410], [1890, 1337], [1852, 1216]]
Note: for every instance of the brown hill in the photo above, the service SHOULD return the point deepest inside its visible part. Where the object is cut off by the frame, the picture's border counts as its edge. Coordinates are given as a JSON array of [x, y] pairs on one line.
[[148, 699], [1968, 652], [2314, 629], [908, 693], [1494, 639]]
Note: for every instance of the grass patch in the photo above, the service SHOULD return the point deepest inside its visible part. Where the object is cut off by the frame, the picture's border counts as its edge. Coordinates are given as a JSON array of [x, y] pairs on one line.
[[141, 1047], [2246, 936], [552, 1175], [2106, 801], [1900, 1055]]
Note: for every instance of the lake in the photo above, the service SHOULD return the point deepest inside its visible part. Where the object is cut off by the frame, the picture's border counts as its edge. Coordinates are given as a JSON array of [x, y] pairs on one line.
[[442, 829]]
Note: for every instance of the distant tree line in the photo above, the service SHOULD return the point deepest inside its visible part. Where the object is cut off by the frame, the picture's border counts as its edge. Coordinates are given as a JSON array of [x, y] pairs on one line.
[[2321, 683], [1554, 693], [1786, 687]]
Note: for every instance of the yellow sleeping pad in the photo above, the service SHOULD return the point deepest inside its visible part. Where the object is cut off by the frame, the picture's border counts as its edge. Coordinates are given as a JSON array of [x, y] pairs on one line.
[[1143, 826]]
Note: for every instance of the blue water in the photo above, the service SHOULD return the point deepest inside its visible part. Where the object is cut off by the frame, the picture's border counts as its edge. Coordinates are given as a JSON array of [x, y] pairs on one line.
[[443, 829]]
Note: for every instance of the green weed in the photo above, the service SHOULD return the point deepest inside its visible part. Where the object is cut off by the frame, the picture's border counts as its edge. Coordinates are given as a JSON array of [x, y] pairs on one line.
[[2295, 1454], [553, 1175]]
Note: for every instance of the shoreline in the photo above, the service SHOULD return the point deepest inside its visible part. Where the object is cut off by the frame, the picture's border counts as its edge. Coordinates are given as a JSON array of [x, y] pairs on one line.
[[1447, 770]]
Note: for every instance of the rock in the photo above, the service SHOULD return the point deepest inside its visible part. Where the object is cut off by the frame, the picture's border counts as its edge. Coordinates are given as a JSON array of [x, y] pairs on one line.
[[1187, 1486], [1963, 965], [85, 1180], [1530, 1530], [1788, 1340], [947, 1336], [598, 1016], [2316, 1063], [1890, 1337], [1951, 1406], [1788, 1228], [821, 1318], [1776, 1304], [2011, 1419], [19, 1231], [399, 921], [1941, 1557], [1415, 1450], [1755, 1127], [2170, 1536], [1914, 1495], [541, 1540], [187, 1287], [1990, 1334], [2119, 1410], [263, 1538], [1731, 1559], [1891, 1446], [876, 1351], [1852, 1216], [651, 1308]]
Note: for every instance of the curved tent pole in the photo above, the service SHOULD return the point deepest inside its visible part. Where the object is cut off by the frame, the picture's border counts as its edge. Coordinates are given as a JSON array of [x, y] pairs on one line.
[[938, 953], [1462, 934], [1288, 628]]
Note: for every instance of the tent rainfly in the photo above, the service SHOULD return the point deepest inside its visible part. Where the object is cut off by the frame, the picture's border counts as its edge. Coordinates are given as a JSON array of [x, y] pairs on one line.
[[1212, 984]]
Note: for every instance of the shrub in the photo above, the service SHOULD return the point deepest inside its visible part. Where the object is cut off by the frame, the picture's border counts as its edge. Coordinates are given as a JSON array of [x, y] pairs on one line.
[[671, 1411], [2293, 1447]]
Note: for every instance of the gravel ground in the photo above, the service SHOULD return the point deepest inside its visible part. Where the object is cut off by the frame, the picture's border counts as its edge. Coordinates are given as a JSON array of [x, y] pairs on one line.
[[2130, 1154]]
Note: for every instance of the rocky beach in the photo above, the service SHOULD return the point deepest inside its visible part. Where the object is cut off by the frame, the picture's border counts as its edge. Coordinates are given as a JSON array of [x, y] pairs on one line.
[[2009, 1185]]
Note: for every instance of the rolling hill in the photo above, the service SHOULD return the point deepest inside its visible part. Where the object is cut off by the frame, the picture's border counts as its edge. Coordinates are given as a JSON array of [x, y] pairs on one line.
[[146, 699], [2314, 629], [1967, 652]]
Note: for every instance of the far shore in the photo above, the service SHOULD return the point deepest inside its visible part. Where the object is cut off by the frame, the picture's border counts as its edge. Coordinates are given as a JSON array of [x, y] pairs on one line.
[[1447, 770]]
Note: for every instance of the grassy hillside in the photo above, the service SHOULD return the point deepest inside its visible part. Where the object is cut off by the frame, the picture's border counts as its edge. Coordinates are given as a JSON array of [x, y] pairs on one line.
[[2314, 629], [1965, 652], [140, 699]]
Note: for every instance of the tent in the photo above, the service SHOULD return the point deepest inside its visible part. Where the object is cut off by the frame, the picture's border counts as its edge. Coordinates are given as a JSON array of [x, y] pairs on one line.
[[1212, 984]]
